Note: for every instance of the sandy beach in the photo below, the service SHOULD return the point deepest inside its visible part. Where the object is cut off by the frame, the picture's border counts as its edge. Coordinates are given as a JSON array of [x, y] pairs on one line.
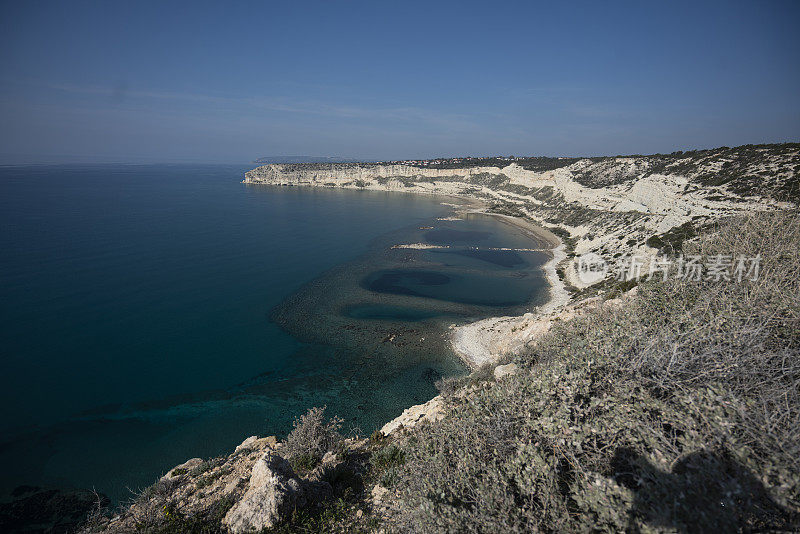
[[484, 342]]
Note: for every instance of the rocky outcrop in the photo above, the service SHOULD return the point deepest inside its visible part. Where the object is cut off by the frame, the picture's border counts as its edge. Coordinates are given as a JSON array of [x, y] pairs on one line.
[[431, 411], [273, 492], [252, 489], [201, 490]]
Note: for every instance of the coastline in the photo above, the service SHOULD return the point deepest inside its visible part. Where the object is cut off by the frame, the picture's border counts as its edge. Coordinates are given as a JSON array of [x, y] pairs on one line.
[[485, 341], [499, 347]]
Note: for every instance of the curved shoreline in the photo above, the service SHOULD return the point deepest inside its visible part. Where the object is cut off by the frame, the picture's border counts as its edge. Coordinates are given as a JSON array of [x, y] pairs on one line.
[[483, 342], [476, 343]]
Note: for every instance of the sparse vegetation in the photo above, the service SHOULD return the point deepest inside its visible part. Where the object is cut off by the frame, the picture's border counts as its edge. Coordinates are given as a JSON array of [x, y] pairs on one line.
[[670, 242], [506, 208], [311, 438], [385, 463], [679, 411], [564, 236], [173, 521], [492, 181], [338, 516]]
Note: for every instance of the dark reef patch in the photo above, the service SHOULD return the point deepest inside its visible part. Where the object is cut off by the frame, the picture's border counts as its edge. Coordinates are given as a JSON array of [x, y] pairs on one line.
[[404, 282], [464, 287], [381, 312]]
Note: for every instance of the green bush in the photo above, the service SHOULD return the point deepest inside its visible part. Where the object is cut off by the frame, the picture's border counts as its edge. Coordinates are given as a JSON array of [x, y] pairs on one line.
[[672, 241], [384, 464]]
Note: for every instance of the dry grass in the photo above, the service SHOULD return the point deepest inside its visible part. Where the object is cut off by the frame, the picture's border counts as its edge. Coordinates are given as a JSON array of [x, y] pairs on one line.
[[678, 412]]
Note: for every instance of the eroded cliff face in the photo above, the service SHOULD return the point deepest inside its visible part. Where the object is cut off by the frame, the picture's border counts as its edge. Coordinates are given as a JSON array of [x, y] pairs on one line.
[[613, 207], [358, 175]]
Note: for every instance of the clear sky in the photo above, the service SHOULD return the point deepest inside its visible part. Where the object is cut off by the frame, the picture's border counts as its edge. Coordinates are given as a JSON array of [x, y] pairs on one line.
[[232, 81]]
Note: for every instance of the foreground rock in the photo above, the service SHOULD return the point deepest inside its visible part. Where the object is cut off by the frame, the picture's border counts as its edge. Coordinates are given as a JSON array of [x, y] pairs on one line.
[[274, 491], [252, 489], [195, 491], [431, 411]]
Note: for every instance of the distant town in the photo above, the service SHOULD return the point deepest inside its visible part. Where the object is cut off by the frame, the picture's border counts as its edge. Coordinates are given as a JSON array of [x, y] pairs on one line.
[[540, 163]]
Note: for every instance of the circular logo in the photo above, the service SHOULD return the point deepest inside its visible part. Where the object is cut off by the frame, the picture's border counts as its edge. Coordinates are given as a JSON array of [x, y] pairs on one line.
[[591, 268]]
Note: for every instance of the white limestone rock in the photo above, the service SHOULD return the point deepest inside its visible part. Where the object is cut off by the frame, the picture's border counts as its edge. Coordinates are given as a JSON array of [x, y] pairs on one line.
[[274, 491], [502, 371]]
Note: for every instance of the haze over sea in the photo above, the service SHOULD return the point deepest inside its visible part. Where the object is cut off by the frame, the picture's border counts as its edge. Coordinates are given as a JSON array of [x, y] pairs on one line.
[[140, 312]]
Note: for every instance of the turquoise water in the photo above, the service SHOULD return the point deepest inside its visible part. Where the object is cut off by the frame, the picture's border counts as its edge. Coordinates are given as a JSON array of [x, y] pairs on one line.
[[150, 314]]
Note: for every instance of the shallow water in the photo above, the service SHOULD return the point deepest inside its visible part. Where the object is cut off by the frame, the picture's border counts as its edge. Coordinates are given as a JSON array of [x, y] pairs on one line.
[[155, 313]]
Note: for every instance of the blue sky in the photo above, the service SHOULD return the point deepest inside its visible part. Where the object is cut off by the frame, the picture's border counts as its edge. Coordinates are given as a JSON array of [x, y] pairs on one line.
[[232, 81]]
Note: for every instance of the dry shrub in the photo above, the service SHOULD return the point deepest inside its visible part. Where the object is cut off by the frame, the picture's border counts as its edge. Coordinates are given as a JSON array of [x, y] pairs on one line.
[[449, 385], [744, 336], [679, 412], [311, 438]]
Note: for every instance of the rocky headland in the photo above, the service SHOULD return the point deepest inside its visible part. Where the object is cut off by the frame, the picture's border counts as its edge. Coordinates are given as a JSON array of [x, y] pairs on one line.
[[609, 206]]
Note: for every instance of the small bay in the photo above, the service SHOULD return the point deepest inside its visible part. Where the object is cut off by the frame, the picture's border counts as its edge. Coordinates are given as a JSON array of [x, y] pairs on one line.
[[154, 313]]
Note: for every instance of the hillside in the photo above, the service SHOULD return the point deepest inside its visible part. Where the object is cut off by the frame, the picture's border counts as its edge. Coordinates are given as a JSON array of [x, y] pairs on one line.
[[642, 405]]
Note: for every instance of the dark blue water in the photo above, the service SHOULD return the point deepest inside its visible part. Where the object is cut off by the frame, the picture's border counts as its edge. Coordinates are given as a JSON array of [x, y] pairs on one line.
[[463, 288], [149, 314]]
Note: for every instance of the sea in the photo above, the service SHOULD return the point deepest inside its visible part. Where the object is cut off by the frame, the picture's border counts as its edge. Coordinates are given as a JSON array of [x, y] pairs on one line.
[[154, 313]]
